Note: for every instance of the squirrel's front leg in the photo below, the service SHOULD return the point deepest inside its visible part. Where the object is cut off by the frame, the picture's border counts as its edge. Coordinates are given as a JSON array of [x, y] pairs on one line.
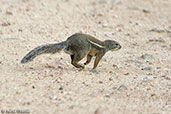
[[96, 62], [89, 57]]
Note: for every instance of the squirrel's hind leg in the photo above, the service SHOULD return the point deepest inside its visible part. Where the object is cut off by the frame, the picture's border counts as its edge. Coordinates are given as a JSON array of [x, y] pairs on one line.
[[75, 59]]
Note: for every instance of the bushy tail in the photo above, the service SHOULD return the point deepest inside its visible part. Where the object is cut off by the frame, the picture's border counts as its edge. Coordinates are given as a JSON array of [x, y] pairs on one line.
[[49, 48]]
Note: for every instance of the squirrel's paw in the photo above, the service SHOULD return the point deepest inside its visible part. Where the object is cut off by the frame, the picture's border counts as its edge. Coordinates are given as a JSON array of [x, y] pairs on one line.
[[82, 66], [86, 63]]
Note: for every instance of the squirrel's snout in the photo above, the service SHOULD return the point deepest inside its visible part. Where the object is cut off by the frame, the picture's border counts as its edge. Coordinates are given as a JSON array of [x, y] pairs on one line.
[[118, 46]]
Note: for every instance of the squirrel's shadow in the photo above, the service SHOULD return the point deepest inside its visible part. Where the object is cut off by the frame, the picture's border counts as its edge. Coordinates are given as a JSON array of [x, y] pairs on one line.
[[41, 67]]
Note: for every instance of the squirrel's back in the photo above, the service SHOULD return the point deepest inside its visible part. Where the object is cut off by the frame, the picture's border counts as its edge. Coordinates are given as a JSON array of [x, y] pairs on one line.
[[84, 39]]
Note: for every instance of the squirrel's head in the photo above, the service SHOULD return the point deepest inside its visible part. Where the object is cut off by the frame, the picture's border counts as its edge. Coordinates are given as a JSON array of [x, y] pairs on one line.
[[112, 45]]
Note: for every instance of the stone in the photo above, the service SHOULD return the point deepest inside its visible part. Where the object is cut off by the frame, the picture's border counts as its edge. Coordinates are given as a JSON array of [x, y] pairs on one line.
[[94, 71], [33, 87], [147, 57], [102, 1], [145, 11], [137, 63], [122, 88], [5, 24], [61, 88], [107, 96], [147, 68], [145, 78]]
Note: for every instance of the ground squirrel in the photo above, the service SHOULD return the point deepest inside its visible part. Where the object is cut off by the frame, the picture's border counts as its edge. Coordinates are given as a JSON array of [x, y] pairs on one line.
[[77, 46]]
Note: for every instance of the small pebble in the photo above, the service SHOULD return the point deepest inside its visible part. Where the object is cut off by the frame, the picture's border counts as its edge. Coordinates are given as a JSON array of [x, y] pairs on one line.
[[147, 57], [102, 1], [110, 79], [145, 78], [100, 82], [153, 94], [26, 103], [97, 111], [100, 14], [157, 30], [31, 68], [115, 66], [5, 23], [110, 72], [126, 73], [94, 71], [20, 30], [122, 88], [60, 67], [157, 40], [136, 62], [61, 88], [148, 89], [52, 97], [146, 68], [84, 83], [107, 96], [9, 13], [33, 87], [145, 11]]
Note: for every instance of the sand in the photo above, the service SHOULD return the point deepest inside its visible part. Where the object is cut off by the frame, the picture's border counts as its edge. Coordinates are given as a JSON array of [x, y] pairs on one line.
[[133, 80]]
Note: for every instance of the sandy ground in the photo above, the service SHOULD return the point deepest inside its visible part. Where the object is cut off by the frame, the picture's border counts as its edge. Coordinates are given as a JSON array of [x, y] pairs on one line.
[[133, 80]]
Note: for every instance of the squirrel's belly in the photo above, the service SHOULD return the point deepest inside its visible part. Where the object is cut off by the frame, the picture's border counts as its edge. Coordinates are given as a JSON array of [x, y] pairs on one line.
[[93, 52]]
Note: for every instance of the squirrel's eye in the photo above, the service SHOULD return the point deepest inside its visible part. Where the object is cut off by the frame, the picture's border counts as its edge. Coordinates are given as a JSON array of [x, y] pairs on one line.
[[116, 44]]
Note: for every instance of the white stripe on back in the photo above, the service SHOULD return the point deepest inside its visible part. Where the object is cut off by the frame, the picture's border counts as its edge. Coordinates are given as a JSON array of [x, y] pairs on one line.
[[96, 44]]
